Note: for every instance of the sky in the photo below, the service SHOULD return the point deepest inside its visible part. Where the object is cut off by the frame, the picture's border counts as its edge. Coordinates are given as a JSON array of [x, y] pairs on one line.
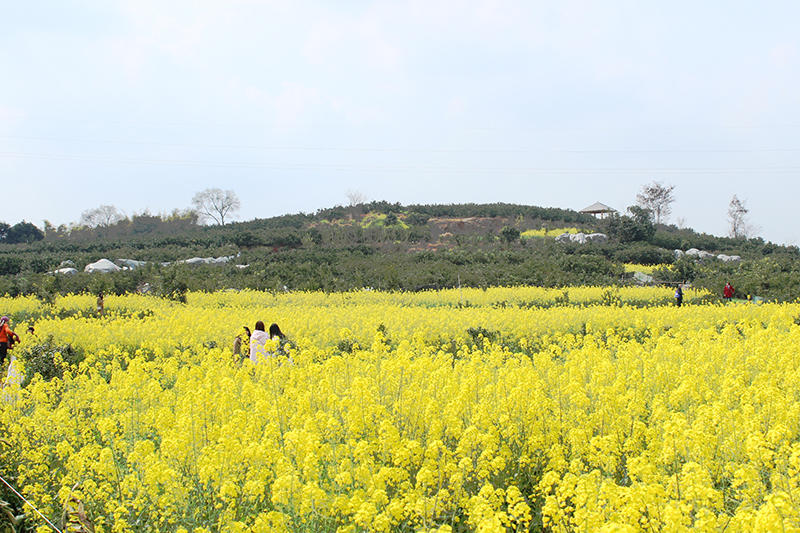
[[140, 104]]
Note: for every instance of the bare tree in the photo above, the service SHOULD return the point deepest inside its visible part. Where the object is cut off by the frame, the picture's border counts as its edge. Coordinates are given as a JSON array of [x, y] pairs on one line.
[[657, 199], [215, 204], [737, 218], [355, 198], [101, 217]]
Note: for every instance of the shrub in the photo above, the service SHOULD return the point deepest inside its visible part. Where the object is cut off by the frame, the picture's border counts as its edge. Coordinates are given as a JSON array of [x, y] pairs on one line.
[[509, 234], [480, 334], [10, 265], [49, 360], [644, 255]]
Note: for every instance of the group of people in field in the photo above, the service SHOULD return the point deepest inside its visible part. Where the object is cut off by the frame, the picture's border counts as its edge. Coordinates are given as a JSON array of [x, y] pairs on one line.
[[247, 344], [257, 341], [727, 293], [254, 342]]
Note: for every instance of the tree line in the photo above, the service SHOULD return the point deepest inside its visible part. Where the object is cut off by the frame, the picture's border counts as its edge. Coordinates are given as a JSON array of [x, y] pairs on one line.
[[378, 244]]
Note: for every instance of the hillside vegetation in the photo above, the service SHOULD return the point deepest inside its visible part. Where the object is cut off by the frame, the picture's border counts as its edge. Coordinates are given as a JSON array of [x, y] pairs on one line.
[[393, 247]]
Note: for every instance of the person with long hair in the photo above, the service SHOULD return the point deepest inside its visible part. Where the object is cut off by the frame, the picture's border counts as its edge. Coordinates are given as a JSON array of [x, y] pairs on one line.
[[283, 343], [275, 331]]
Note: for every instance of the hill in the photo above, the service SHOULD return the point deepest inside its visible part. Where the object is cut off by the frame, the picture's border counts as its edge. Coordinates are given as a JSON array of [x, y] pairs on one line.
[[394, 247]]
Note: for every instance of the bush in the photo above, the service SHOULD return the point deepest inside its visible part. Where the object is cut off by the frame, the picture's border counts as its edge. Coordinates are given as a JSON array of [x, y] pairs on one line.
[[683, 270], [23, 232], [10, 265], [417, 219], [41, 359], [644, 255], [246, 239], [480, 334], [630, 229], [668, 240], [38, 265], [509, 234]]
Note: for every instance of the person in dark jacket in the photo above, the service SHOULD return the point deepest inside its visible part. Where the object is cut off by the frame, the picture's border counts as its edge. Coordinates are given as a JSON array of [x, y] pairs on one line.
[[679, 295]]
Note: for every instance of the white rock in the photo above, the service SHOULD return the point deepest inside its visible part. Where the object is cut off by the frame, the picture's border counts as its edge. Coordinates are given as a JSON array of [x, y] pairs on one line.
[[103, 266], [597, 237], [132, 264], [579, 238], [643, 278], [65, 270], [677, 253], [207, 260], [693, 252], [564, 237], [706, 255], [66, 263]]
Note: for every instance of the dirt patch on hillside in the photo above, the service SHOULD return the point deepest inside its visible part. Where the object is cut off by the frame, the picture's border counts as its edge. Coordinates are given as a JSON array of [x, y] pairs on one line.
[[465, 226]]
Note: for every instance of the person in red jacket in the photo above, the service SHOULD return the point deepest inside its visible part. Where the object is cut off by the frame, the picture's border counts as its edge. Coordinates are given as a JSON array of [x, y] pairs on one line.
[[7, 338], [727, 291]]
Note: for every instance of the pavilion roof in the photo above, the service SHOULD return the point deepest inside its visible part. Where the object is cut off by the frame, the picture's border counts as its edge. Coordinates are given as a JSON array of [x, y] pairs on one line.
[[597, 207]]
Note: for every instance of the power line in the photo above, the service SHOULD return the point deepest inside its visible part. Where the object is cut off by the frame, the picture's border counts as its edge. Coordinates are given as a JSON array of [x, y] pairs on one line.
[[344, 167], [289, 148], [87, 117]]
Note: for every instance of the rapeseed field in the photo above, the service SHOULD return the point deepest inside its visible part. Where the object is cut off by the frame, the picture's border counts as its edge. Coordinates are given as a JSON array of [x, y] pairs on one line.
[[507, 409]]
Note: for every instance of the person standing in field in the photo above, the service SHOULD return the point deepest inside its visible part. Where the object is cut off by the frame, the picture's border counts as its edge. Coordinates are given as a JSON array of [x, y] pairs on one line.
[[100, 303], [284, 344], [14, 377], [242, 338], [679, 295], [275, 331], [257, 341], [7, 338], [728, 291]]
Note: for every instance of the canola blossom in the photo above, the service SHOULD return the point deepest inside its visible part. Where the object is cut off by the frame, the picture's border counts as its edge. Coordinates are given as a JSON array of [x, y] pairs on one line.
[[507, 409], [544, 232], [647, 269]]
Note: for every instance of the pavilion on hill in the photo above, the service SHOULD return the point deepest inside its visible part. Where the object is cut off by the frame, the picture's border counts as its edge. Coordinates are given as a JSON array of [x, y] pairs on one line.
[[598, 210]]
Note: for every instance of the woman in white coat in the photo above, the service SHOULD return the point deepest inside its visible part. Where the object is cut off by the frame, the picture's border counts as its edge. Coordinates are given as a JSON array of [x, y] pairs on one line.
[[257, 341]]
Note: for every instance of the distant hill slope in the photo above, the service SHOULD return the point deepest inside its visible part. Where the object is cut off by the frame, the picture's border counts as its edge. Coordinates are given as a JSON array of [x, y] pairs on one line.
[[392, 246]]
